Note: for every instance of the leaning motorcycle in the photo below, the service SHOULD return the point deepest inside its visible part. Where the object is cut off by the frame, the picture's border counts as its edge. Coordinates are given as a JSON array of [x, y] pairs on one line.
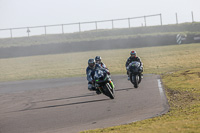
[[135, 73], [104, 83]]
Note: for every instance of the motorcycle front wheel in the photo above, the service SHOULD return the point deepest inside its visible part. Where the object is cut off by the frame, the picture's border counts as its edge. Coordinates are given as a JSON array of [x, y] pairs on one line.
[[135, 79], [109, 91]]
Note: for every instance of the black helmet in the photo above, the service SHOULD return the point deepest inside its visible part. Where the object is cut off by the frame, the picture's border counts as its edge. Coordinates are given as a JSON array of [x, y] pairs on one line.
[[91, 63], [98, 59], [133, 53]]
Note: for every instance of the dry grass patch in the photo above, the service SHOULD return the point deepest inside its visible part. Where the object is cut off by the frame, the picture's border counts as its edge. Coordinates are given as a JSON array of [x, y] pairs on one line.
[[156, 60]]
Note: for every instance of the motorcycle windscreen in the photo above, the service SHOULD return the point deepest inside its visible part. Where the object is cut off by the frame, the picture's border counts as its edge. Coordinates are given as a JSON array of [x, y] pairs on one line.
[[99, 75]]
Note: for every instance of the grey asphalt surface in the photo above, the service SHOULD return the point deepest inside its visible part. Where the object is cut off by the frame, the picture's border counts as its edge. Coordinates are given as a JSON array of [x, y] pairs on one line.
[[66, 105]]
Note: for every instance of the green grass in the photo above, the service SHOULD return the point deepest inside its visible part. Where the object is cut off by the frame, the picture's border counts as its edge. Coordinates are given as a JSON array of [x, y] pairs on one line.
[[179, 66], [156, 60]]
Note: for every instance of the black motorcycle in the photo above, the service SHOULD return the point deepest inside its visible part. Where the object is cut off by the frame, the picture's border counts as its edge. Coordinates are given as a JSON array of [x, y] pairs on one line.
[[104, 84], [135, 73]]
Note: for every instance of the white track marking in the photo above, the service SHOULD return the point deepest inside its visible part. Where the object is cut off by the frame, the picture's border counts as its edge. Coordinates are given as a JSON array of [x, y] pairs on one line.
[[160, 89]]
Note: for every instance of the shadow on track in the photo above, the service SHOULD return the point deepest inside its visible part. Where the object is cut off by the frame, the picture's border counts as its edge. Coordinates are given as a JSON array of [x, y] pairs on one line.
[[87, 95], [82, 96], [61, 105], [69, 104], [127, 89]]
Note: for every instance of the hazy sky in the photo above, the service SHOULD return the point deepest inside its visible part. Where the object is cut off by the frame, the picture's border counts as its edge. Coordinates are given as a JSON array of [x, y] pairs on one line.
[[22, 13], [26, 13]]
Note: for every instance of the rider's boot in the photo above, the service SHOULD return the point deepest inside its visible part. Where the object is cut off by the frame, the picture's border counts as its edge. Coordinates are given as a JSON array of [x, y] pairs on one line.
[[91, 87], [98, 91], [141, 76]]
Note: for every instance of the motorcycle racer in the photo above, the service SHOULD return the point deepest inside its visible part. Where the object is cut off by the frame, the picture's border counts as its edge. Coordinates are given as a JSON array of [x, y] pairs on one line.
[[90, 71], [98, 61], [133, 57]]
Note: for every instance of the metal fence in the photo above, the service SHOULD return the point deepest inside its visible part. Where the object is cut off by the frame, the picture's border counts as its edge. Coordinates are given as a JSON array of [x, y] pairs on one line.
[[43, 29]]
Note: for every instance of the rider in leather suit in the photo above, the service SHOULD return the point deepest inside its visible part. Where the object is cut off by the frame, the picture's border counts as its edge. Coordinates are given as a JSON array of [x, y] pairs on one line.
[[98, 61], [133, 57], [90, 71]]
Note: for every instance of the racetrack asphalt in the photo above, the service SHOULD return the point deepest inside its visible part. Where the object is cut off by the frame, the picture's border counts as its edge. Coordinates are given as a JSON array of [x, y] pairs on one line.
[[66, 106]]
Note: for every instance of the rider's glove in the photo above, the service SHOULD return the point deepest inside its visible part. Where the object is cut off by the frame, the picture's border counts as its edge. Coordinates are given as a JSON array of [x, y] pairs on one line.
[[108, 73]]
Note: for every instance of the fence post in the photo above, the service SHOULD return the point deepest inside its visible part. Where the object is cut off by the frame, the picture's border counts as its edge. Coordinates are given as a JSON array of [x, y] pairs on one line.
[[160, 19], [112, 24], [145, 23], [11, 33], [176, 18], [129, 25], [192, 17], [62, 29], [96, 25], [45, 30], [79, 27], [28, 31]]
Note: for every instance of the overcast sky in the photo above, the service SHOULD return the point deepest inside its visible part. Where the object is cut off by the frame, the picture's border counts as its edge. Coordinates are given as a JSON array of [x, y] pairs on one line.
[[25, 13]]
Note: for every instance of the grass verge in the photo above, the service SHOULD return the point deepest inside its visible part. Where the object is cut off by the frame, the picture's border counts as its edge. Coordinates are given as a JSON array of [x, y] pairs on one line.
[[178, 64], [183, 92], [156, 60]]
